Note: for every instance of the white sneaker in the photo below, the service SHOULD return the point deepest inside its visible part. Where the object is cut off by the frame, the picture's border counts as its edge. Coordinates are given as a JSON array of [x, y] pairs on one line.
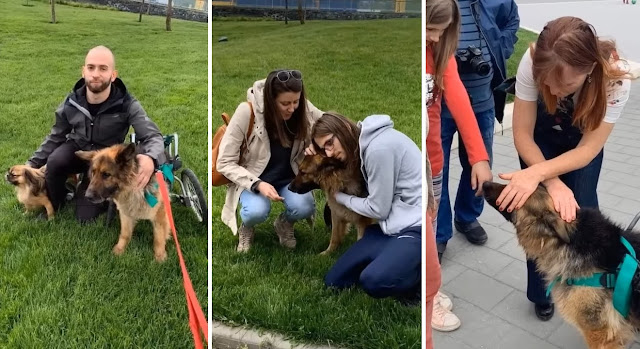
[[442, 319], [444, 301]]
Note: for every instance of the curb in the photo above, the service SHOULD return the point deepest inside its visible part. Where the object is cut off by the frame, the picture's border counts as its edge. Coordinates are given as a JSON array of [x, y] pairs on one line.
[[227, 337]]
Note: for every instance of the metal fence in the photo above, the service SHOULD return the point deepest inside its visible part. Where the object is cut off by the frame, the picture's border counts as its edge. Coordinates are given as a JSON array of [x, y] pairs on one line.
[[398, 6], [199, 5]]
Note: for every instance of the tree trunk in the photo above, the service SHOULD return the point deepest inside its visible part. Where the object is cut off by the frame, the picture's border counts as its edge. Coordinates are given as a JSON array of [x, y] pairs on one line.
[[169, 13], [301, 13], [53, 11], [286, 11], [141, 7]]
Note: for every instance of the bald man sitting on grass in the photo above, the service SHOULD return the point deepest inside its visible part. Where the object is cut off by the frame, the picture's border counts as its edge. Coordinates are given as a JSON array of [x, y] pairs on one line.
[[95, 115]]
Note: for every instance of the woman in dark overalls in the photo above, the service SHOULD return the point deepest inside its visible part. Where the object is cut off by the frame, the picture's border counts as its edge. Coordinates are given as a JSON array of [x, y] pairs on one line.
[[570, 89]]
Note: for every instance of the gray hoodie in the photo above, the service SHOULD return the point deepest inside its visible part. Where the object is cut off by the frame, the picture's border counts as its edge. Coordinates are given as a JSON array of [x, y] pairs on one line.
[[392, 169]]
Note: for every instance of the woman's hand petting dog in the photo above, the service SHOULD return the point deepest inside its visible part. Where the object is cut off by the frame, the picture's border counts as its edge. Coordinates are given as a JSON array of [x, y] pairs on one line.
[[522, 184], [480, 173], [269, 191], [310, 150], [563, 200]]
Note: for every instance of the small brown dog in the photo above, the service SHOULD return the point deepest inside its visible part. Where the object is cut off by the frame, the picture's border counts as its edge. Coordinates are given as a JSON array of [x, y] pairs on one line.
[[30, 187], [331, 175], [112, 175]]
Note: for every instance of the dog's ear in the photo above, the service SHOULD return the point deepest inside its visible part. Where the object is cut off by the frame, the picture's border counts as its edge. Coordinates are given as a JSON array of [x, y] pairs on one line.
[[37, 183], [330, 164], [85, 155], [127, 154]]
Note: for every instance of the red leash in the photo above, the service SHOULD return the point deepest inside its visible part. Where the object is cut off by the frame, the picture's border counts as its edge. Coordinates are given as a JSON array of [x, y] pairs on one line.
[[197, 320]]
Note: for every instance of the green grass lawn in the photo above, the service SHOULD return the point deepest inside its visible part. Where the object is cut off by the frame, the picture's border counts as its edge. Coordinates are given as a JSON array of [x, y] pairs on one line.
[[357, 68], [525, 37], [60, 285]]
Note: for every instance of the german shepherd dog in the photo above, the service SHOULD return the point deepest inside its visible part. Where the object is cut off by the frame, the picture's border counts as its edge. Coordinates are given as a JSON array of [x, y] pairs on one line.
[[112, 174], [30, 187], [590, 244], [331, 175]]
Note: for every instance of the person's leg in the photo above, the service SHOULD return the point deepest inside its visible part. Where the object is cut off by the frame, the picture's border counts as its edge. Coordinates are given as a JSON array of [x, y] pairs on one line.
[[444, 230], [584, 182], [61, 163], [347, 269], [297, 206], [87, 211], [536, 286], [468, 206], [254, 209], [396, 270]]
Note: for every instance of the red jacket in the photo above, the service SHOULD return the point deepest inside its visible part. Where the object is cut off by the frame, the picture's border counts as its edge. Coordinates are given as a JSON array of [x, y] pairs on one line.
[[458, 102]]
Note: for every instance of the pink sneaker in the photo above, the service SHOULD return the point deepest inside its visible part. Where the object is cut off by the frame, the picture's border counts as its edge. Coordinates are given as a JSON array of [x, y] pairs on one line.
[[442, 319]]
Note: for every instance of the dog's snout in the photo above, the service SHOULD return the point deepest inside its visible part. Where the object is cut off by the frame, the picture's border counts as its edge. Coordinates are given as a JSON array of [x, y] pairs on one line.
[[486, 186]]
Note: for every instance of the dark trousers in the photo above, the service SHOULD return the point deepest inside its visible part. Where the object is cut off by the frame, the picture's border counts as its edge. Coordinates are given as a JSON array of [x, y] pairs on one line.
[[382, 265], [583, 182], [60, 164]]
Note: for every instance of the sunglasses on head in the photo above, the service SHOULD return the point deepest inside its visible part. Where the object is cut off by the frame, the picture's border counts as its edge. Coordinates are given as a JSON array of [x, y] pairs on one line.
[[284, 75]]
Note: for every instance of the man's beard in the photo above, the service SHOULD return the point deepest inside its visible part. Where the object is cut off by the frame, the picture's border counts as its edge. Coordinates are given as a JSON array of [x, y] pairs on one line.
[[99, 88]]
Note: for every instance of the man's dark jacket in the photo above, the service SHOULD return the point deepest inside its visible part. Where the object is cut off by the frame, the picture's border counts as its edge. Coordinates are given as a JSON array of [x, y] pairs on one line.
[[109, 126]]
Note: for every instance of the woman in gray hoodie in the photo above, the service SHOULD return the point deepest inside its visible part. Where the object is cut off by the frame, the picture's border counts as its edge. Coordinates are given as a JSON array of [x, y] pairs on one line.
[[386, 261]]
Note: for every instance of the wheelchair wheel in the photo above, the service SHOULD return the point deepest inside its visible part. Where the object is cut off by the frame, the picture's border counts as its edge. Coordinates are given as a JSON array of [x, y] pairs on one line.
[[194, 195]]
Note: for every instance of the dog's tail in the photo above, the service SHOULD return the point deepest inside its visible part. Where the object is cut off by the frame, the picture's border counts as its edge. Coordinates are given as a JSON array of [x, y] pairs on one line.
[[36, 182]]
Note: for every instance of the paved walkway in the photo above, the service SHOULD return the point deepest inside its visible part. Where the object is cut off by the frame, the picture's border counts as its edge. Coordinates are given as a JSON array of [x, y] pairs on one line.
[[488, 283]]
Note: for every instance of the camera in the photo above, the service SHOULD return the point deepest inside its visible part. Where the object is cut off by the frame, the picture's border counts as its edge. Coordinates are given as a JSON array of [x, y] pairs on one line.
[[471, 61]]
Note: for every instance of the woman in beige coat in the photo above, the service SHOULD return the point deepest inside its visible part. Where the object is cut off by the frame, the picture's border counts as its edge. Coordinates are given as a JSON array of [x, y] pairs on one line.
[[281, 132]]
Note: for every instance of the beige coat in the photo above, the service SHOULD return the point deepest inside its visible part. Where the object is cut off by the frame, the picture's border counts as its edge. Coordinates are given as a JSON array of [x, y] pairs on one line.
[[243, 175]]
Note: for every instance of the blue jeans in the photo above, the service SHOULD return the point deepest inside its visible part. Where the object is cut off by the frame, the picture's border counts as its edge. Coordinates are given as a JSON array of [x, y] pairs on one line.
[[583, 182], [468, 207], [256, 207], [383, 265]]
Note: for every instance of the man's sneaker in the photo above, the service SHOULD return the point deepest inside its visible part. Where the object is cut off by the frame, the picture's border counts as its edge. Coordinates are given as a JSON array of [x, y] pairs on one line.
[[441, 248], [443, 300], [442, 319], [472, 231], [284, 229], [245, 235]]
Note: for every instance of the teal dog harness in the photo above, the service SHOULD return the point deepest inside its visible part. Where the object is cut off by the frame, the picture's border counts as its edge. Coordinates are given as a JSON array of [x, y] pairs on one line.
[[167, 173], [620, 281]]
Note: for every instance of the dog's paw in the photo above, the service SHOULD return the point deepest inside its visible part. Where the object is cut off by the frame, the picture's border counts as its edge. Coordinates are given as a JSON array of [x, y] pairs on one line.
[[326, 252], [118, 250], [161, 256]]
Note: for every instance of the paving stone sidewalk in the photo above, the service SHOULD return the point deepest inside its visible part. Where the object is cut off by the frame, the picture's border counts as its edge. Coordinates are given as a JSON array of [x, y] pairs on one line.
[[488, 283]]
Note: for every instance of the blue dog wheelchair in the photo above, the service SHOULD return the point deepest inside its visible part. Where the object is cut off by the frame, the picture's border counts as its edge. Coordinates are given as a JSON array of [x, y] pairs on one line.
[[188, 192]]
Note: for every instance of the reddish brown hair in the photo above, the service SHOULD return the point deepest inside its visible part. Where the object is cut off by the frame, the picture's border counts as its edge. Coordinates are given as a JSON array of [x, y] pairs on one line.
[[570, 41]]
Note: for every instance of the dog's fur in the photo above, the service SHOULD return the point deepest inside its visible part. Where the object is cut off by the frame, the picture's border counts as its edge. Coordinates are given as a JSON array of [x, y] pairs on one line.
[[112, 175], [30, 188], [331, 175], [588, 245]]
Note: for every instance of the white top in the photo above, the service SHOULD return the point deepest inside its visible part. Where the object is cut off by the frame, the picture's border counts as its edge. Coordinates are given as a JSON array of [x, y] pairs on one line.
[[617, 90]]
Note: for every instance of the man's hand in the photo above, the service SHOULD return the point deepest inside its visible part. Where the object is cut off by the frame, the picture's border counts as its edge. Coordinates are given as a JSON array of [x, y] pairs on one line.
[[145, 170]]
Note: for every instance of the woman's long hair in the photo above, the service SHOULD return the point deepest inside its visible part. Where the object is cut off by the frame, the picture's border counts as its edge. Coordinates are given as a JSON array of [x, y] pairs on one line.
[[441, 12], [297, 127]]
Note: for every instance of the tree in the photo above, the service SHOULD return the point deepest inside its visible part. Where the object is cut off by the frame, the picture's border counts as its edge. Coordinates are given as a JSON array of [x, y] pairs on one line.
[[286, 11], [141, 7], [169, 13], [301, 13], [53, 11]]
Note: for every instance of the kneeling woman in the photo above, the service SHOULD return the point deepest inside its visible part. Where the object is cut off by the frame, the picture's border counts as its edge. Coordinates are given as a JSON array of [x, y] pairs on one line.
[[386, 261]]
